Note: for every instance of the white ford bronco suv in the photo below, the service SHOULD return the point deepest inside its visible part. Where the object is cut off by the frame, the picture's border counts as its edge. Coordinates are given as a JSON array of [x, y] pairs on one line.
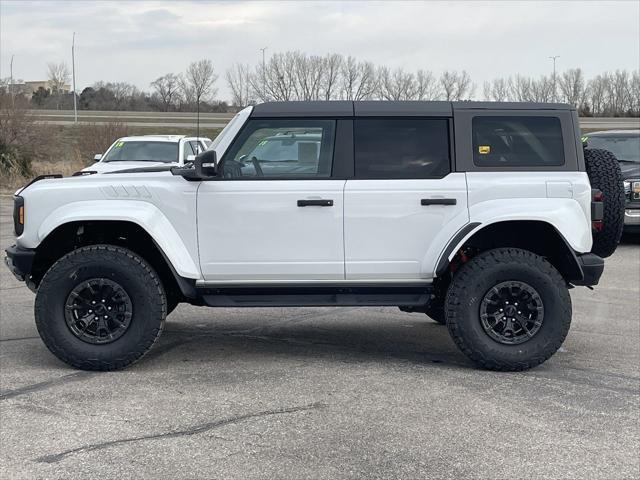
[[481, 215]]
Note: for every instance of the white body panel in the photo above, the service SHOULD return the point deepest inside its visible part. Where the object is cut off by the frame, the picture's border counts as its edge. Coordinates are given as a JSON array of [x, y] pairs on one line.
[[389, 235], [254, 231], [162, 204], [562, 199]]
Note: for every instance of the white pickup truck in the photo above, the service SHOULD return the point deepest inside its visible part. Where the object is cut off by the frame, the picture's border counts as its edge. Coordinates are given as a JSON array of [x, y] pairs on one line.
[[481, 215], [148, 150]]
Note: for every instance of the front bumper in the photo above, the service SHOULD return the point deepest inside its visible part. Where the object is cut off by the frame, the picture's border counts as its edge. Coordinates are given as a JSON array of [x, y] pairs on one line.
[[20, 261], [632, 217], [592, 267]]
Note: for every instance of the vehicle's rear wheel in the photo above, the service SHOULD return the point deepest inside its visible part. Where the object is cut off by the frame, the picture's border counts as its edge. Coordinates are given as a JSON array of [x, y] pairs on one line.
[[100, 307], [508, 309], [605, 175]]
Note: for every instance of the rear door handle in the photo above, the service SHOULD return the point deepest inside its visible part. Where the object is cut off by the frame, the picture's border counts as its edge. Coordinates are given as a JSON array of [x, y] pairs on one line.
[[438, 201], [315, 203]]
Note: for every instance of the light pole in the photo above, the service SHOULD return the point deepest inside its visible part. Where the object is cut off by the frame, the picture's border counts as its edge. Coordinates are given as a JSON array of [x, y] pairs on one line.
[[264, 77], [73, 70], [555, 90], [11, 80]]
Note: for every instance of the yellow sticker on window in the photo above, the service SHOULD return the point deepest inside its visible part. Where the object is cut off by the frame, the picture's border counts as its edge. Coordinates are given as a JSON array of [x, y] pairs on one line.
[[119, 144], [484, 149]]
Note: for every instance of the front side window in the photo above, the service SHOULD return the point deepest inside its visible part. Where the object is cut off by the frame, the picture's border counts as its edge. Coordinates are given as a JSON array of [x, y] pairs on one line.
[[396, 148], [516, 141], [281, 148], [143, 151]]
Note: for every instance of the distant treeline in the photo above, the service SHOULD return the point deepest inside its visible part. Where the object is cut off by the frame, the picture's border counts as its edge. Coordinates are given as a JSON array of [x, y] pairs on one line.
[[299, 76]]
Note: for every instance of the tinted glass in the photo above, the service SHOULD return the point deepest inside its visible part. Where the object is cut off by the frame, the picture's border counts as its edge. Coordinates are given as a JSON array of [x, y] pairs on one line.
[[141, 151], [625, 148], [282, 148], [401, 148], [517, 142]]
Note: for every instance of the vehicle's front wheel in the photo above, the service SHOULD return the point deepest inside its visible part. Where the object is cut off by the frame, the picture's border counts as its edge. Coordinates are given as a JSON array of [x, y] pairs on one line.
[[508, 309], [100, 307]]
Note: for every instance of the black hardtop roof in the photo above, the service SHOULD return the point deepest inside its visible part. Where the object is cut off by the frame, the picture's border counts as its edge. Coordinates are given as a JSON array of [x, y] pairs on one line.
[[383, 108]]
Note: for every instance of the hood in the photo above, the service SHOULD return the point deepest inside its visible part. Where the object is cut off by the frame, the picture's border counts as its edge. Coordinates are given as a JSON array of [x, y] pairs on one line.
[[630, 170], [103, 167]]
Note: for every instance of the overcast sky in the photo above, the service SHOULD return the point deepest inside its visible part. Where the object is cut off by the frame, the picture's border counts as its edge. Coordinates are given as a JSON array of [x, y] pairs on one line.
[[139, 41]]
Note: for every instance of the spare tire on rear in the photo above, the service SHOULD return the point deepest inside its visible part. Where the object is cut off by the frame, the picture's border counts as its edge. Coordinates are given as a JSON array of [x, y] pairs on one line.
[[605, 175]]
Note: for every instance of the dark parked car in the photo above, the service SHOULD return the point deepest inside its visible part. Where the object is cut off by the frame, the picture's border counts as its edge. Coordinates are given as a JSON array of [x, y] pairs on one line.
[[625, 145]]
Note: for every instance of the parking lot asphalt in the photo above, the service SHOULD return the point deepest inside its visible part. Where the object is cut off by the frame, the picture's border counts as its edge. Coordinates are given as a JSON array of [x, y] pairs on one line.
[[326, 393]]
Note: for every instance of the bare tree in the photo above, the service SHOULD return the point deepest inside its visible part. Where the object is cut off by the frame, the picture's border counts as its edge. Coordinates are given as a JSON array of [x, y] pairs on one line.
[[542, 89], [396, 84], [332, 67], [167, 88], [358, 79], [239, 84], [617, 88], [497, 90], [571, 84], [59, 76], [456, 85], [307, 76], [279, 84], [198, 82], [634, 93], [596, 94], [426, 86]]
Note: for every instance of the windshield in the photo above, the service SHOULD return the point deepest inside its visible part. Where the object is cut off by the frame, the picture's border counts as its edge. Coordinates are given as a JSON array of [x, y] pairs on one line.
[[143, 151], [624, 148]]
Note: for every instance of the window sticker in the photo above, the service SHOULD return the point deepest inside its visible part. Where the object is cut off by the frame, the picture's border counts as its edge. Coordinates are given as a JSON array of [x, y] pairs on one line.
[[119, 144], [484, 149]]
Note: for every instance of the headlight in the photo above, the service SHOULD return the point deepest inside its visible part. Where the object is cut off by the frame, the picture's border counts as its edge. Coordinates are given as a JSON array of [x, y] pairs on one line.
[[635, 190], [627, 187], [18, 215]]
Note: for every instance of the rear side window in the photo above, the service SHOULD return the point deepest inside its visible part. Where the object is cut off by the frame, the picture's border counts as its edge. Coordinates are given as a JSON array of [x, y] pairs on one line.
[[517, 141], [394, 148]]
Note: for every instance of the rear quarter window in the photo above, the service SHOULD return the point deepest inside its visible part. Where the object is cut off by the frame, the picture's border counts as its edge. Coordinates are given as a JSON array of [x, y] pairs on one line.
[[517, 141]]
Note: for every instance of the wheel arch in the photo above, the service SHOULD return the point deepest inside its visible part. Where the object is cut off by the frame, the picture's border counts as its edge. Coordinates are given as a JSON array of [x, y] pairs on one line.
[[145, 215], [539, 237], [71, 235]]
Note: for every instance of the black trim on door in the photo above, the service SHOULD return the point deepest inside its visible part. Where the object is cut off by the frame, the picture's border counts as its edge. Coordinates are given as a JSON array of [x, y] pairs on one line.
[[315, 203]]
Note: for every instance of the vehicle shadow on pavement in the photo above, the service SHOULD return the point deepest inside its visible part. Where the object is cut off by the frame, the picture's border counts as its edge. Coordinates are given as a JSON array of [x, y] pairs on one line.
[[420, 341], [630, 238]]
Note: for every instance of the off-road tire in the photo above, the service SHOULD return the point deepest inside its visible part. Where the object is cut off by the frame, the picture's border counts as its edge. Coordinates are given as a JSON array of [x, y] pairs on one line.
[[479, 275], [137, 278], [605, 175]]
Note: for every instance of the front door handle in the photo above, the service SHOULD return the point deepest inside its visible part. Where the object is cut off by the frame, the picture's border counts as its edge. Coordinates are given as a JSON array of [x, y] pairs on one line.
[[438, 201], [315, 203]]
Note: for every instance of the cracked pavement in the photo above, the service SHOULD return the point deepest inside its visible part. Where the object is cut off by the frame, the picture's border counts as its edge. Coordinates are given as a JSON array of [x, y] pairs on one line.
[[325, 393]]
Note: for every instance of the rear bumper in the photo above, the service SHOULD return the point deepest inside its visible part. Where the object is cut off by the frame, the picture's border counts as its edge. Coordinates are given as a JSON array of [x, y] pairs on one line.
[[592, 267], [20, 261]]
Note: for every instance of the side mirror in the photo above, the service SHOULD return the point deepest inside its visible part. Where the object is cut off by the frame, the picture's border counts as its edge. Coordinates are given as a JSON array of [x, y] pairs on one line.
[[205, 164], [190, 158], [97, 157]]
